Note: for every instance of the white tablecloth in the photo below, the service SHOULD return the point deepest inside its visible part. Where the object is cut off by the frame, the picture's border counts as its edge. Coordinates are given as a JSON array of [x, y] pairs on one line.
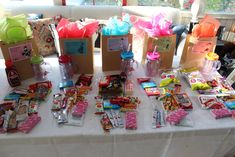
[[207, 138]]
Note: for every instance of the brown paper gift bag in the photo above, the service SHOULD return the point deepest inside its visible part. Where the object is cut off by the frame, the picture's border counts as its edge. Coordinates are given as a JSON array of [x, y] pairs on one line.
[[81, 51], [195, 51], [20, 54], [165, 46], [111, 51]]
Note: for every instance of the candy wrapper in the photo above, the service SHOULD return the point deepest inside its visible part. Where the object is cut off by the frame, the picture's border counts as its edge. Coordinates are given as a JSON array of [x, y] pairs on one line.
[[131, 120], [106, 123], [158, 118], [196, 81], [221, 113], [169, 103], [115, 118], [210, 102], [168, 78], [29, 123], [176, 116], [184, 101]]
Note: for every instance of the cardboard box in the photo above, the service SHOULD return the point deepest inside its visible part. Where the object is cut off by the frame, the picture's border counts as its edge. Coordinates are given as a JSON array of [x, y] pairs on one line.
[[195, 51], [81, 51], [20, 54], [111, 51], [165, 46]]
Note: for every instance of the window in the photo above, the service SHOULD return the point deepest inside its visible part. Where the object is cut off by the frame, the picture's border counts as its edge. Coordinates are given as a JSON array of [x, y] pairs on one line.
[[25, 2], [220, 6], [94, 2]]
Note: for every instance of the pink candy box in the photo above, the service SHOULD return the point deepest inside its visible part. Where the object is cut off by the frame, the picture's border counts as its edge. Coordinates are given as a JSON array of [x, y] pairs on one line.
[[221, 113], [79, 109], [131, 120], [176, 116], [30, 122]]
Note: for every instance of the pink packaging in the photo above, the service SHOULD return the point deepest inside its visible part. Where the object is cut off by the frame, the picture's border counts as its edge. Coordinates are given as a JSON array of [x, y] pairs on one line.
[[131, 120], [27, 125], [176, 116], [221, 113]]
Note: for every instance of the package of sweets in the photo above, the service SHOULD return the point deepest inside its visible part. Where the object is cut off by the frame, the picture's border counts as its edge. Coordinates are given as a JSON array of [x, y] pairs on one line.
[[221, 113], [131, 120], [115, 118], [176, 116], [106, 123], [128, 87], [169, 103], [210, 102], [230, 104], [168, 78], [158, 118], [183, 100], [27, 125], [196, 81]]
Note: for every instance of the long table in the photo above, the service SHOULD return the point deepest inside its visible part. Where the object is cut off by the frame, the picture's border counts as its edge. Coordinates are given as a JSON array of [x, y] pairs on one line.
[[207, 138]]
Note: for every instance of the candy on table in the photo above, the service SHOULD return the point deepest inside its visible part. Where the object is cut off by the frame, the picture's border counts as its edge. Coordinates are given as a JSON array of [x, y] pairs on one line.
[[115, 118], [152, 91], [131, 120], [221, 113], [33, 107], [176, 116], [141, 80], [27, 125], [183, 100], [128, 87], [168, 78], [99, 105], [84, 80], [106, 123], [158, 119], [177, 88], [79, 109], [169, 104], [230, 104], [233, 113], [210, 102]]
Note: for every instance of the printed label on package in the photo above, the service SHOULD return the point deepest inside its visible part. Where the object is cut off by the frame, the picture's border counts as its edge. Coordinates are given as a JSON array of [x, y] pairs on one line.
[[78, 47], [117, 44], [163, 44], [20, 52]]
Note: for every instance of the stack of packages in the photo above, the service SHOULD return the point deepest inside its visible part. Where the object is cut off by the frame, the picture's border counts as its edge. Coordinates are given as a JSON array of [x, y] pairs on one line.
[[70, 105], [19, 110], [111, 105]]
